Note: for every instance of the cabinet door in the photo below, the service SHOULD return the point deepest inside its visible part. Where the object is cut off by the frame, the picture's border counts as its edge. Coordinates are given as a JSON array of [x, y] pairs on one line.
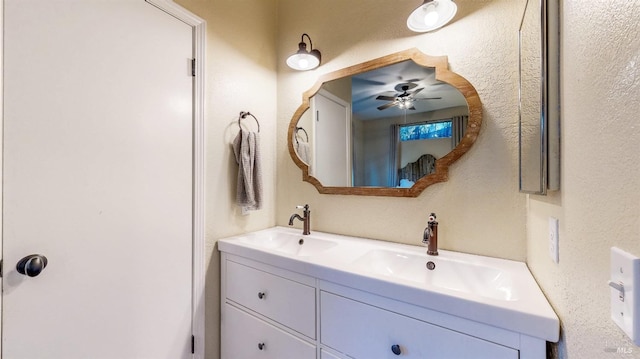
[[287, 302], [247, 337], [364, 332]]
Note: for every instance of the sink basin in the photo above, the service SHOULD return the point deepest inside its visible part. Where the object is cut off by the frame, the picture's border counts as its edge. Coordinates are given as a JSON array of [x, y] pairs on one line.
[[494, 291], [469, 277], [288, 243]]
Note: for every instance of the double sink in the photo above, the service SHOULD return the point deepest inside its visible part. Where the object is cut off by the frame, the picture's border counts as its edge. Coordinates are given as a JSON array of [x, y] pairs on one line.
[[470, 276], [494, 291]]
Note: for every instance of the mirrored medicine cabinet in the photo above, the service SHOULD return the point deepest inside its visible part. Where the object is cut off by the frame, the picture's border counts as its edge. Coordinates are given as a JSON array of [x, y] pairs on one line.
[[539, 115]]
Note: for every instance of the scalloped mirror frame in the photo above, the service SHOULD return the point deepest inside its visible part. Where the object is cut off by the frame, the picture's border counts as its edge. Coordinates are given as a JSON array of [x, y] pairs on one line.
[[442, 73]]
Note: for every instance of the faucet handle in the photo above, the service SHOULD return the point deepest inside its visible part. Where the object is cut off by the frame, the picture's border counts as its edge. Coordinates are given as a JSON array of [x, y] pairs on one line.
[[432, 219], [306, 206]]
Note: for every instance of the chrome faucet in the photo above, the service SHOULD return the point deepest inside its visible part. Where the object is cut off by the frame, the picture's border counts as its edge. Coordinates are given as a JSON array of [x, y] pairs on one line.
[[306, 219], [430, 237]]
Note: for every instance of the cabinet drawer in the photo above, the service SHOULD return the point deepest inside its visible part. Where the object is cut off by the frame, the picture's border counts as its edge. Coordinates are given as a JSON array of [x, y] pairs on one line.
[[287, 302], [326, 355], [363, 331], [247, 337]]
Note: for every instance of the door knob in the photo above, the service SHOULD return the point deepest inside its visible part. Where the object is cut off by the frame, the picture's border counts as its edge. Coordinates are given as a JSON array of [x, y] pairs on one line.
[[396, 349], [31, 265]]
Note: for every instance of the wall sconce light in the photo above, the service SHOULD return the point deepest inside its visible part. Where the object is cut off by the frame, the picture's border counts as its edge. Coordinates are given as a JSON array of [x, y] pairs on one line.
[[431, 15], [304, 60]]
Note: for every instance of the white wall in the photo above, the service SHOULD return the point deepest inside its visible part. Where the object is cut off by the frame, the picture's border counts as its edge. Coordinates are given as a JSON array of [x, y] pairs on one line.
[[479, 208], [599, 202], [241, 76]]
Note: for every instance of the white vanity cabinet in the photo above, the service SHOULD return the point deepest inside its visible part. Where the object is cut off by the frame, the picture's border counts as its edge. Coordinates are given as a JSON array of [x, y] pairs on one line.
[[270, 312], [327, 296], [364, 331], [267, 313], [290, 303], [248, 337]]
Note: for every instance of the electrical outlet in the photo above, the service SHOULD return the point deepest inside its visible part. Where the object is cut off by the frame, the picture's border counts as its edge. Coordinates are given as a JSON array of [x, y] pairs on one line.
[[553, 240]]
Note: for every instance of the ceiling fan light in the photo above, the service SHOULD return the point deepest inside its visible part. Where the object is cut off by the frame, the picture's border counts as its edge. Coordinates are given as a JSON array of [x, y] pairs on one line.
[[407, 103], [304, 60], [431, 15]]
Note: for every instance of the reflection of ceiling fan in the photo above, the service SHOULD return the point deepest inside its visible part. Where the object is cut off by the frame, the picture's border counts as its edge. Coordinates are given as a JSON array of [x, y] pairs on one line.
[[405, 99]]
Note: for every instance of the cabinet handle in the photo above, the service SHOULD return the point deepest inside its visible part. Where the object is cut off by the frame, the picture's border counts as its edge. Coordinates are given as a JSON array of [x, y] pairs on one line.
[[396, 349], [262, 295], [261, 346]]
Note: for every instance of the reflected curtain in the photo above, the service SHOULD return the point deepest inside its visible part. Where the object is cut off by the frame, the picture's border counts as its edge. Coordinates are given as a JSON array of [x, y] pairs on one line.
[[394, 156], [458, 128]]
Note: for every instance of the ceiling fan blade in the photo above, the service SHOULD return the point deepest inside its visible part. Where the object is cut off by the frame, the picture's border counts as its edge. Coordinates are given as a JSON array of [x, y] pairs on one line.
[[428, 98], [418, 90], [386, 106], [385, 98]]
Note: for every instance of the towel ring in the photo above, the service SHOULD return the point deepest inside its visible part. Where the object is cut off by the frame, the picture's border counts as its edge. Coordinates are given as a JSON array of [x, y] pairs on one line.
[[244, 115], [303, 130]]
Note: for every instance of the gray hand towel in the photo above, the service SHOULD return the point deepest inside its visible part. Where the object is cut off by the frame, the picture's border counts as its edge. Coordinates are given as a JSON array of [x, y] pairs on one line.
[[302, 148], [246, 147]]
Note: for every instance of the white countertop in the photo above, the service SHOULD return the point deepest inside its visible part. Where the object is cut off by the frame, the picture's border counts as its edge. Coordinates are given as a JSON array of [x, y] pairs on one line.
[[510, 299]]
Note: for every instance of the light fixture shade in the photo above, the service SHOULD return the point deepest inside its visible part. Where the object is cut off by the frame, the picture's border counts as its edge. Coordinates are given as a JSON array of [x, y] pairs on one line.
[[431, 15], [304, 60]]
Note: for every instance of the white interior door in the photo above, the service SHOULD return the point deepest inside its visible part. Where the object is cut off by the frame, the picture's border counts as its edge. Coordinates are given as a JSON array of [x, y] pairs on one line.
[[97, 177], [332, 140]]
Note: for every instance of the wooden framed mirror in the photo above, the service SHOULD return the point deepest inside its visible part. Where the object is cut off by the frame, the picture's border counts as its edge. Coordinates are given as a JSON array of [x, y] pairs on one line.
[[391, 126]]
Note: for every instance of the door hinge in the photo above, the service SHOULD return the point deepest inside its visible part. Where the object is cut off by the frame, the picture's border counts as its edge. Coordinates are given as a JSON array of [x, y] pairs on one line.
[[193, 344], [193, 67]]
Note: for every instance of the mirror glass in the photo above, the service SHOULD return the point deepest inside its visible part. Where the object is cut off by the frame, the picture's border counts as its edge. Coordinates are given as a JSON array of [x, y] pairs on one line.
[[388, 127], [539, 113]]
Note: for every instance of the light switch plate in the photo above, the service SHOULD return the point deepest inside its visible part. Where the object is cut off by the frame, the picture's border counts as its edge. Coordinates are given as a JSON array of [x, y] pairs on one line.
[[625, 275]]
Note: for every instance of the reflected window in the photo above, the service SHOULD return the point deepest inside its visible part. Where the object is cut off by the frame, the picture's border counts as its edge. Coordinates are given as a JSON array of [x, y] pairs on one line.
[[425, 131]]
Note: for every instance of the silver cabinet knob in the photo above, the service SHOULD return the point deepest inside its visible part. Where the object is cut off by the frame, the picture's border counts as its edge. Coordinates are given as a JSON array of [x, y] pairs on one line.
[[32, 265]]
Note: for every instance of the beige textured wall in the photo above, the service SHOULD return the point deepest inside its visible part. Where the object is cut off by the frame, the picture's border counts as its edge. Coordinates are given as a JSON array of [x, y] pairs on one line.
[[240, 76], [599, 204], [479, 209]]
